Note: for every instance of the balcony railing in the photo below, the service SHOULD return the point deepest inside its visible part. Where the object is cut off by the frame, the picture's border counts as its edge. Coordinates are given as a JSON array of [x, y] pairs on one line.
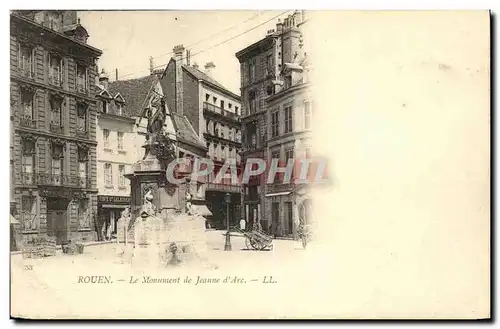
[[55, 180], [81, 88], [82, 133], [28, 122], [278, 187], [29, 221], [26, 72], [55, 80], [216, 109], [56, 128]]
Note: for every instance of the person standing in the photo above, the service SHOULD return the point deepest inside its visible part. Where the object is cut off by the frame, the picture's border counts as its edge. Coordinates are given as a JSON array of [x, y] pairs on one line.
[[242, 224]]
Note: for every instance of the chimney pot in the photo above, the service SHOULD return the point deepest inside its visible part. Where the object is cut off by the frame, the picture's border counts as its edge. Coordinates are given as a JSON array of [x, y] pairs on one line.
[[209, 68], [178, 53]]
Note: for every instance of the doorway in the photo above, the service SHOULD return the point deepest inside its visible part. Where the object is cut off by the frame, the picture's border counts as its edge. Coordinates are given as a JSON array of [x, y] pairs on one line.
[[57, 219], [275, 216]]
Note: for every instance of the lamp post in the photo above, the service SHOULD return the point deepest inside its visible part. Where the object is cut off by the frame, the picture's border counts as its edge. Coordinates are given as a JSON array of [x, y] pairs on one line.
[[227, 246]]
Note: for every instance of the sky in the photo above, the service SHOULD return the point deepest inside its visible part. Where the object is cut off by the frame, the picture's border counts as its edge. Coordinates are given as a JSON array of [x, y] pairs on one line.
[[129, 38]]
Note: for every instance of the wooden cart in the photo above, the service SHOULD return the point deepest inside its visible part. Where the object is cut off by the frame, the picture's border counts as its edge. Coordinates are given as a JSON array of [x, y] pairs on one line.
[[256, 239]]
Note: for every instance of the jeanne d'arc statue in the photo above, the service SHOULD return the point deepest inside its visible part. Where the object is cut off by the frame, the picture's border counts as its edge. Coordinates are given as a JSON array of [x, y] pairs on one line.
[[157, 141]]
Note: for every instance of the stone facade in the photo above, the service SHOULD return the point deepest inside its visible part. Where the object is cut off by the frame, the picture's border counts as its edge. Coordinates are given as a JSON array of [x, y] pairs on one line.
[[53, 73]]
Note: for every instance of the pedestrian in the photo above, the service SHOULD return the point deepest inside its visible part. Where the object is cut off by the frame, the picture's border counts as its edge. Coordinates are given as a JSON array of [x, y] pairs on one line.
[[242, 224]]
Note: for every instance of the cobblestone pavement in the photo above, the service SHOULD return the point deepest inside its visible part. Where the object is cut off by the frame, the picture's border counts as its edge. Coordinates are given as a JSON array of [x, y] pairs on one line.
[[54, 280]]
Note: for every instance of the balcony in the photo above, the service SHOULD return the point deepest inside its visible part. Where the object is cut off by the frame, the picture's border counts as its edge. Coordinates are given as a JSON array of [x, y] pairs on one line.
[[55, 80], [210, 108], [27, 72], [55, 180], [80, 133], [252, 197], [81, 88], [56, 128], [27, 122], [277, 187]]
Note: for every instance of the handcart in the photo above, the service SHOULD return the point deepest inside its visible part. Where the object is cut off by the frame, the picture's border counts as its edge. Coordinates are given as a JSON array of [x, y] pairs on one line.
[[256, 239]]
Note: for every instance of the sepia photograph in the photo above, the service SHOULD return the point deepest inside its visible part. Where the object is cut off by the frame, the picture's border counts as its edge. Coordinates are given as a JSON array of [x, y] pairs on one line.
[[249, 164]]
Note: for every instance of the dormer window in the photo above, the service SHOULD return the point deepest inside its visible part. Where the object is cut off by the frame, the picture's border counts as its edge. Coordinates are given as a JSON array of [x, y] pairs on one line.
[[104, 107], [119, 108]]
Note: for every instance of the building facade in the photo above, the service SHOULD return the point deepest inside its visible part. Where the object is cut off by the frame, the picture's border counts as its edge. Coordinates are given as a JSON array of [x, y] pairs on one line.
[[214, 113], [116, 153], [53, 84], [262, 65]]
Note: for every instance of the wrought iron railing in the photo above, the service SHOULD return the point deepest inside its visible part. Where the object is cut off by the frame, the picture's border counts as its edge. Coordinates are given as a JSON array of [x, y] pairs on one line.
[[29, 221], [27, 72], [57, 128], [27, 121], [223, 187], [82, 133], [216, 109], [55, 180], [55, 80], [81, 88]]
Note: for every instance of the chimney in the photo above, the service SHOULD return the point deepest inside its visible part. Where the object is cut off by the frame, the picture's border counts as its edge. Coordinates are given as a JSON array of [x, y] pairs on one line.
[[209, 67], [195, 65], [279, 26], [179, 90], [188, 57], [151, 66], [103, 79]]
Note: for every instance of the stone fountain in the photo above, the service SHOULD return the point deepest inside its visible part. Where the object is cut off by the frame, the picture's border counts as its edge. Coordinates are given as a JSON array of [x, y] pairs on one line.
[[160, 230]]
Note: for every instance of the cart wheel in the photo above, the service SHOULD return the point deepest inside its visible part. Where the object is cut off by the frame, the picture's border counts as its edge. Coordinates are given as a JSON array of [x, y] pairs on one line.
[[248, 243], [255, 244]]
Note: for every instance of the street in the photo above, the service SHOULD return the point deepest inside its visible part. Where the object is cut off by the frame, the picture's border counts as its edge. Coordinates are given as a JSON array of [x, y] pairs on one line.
[[54, 285]]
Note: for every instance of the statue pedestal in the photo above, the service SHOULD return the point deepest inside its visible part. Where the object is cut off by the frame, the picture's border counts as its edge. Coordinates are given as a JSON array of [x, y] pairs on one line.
[[148, 242]]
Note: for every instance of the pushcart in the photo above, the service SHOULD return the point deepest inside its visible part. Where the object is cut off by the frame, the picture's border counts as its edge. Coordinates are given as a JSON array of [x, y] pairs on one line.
[[256, 239]]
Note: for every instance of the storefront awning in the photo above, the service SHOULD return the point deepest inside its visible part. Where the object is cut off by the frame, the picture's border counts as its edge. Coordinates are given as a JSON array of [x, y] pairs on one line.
[[279, 193], [201, 210], [13, 220]]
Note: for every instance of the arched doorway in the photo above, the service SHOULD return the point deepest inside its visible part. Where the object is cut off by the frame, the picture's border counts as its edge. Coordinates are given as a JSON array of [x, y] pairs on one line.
[[305, 217]]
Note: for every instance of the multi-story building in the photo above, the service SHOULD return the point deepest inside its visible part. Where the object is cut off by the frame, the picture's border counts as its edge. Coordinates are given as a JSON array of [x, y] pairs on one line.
[[214, 113], [53, 74], [270, 70], [117, 135]]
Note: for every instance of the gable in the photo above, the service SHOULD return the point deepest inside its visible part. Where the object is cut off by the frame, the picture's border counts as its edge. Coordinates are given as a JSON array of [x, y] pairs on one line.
[[119, 98], [104, 93]]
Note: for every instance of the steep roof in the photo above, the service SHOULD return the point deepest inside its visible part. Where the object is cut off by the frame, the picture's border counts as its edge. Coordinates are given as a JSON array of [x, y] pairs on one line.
[[202, 76], [185, 131], [133, 91]]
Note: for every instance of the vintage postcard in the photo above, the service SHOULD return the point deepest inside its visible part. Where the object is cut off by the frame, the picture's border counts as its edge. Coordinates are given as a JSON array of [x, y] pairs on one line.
[[289, 164]]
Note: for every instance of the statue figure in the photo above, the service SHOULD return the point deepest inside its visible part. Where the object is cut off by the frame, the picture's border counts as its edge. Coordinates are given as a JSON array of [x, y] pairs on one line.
[[148, 208]]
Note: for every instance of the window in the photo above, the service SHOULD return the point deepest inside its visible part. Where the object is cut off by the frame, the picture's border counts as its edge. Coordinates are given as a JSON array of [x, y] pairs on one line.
[[105, 135], [25, 60], [207, 97], [230, 134], [28, 162], [215, 100], [252, 101], [55, 69], [121, 176], [104, 106], [56, 114], [222, 104], [108, 175], [28, 210], [269, 64], [118, 108], [221, 131], [307, 115], [83, 167], [81, 78], [236, 110], [275, 154], [288, 154], [251, 69], [274, 124], [288, 119], [254, 139], [83, 213], [230, 105], [27, 104], [120, 140], [82, 117], [57, 163], [237, 136]]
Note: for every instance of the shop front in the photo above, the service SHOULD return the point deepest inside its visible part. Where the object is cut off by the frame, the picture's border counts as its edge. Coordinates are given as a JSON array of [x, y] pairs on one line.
[[109, 210]]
